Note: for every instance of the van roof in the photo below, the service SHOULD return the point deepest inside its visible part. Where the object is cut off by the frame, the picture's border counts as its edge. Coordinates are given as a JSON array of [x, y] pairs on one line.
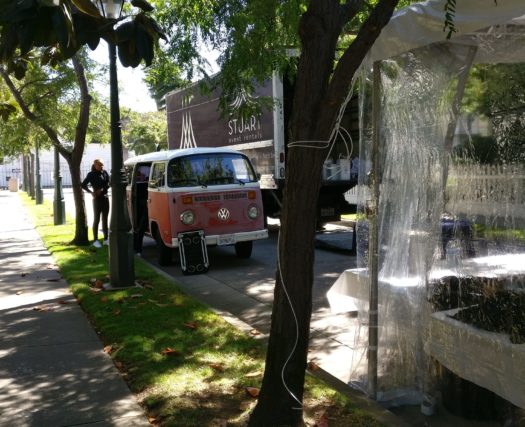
[[170, 154]]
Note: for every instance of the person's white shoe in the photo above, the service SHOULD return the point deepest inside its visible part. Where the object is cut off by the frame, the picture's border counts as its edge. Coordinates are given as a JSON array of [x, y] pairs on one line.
[[106, 242], [97, 244]]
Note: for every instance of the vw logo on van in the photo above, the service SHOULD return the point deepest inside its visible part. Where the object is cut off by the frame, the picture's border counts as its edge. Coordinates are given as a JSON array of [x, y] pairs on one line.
[[223, 214]]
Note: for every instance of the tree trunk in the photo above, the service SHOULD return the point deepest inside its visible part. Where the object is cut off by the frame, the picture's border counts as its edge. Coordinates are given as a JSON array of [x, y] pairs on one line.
[[81, 227], [319, 94], [73, 158]]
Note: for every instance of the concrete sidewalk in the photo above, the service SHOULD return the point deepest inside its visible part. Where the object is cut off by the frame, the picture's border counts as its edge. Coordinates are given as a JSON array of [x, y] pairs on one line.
[[53, 370]]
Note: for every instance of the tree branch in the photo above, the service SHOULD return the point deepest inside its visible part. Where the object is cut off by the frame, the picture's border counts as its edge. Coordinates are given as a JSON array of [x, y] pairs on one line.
[[28, 114], [356, 52]]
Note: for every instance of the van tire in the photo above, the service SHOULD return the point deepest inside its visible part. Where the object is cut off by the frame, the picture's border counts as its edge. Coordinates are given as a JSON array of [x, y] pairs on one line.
[[244, 249], [164, 253]]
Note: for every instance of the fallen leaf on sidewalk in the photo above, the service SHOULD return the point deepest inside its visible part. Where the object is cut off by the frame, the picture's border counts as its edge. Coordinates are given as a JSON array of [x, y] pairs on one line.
[[323, 421], [107, 349], [253, 374], [312, 366], [254, 332], [19, 292], [190, 325], [168, 351], [42, 308], [246, 404], [252, 391], [217, 366]]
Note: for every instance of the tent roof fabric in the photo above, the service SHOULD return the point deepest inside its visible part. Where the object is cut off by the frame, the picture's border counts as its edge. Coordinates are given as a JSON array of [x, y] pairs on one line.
[[421, 24]]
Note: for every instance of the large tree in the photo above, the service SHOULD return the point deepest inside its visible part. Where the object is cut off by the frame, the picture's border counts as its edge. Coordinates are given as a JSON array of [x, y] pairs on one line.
[[145, 132], [58, 30], [255, 38], [44, 94]]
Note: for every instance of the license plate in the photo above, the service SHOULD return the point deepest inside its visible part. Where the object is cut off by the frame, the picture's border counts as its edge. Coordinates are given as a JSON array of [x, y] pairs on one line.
[[226, 239]]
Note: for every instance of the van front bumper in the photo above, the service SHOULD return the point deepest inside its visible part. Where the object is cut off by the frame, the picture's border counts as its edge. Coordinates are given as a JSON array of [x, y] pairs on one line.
[[230, 239]]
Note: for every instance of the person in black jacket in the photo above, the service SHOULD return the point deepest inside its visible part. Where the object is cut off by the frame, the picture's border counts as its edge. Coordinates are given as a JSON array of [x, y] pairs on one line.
[[98, 179]]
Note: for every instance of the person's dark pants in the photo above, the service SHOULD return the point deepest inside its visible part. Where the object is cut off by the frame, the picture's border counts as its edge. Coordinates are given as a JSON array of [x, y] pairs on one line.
[[142, 226], [100, 208]]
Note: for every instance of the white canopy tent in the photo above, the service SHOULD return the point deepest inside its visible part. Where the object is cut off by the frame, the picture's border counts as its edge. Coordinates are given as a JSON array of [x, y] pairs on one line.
[[496, 33]]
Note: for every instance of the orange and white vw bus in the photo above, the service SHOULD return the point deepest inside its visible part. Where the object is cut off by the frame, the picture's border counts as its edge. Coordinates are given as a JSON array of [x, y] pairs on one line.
[[196, 197]]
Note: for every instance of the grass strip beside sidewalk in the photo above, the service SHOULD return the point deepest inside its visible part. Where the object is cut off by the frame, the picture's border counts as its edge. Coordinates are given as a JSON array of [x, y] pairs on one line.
[[186, 365]]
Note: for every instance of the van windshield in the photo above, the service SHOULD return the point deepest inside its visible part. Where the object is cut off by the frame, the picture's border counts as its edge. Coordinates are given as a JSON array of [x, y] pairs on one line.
[[210, 169]]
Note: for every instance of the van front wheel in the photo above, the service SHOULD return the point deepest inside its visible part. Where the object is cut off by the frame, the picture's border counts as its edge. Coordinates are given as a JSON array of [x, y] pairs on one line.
[[244, 249], [164, 253]]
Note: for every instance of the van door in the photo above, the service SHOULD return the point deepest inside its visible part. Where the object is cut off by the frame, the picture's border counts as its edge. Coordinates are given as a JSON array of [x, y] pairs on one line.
[[158, 207], [140, 193]]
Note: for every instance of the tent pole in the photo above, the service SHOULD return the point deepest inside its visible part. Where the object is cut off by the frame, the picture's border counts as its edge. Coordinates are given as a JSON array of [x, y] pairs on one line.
[[373, 253]]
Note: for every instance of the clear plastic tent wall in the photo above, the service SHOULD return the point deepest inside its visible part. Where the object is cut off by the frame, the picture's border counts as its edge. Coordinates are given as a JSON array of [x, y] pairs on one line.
[[451, 220]]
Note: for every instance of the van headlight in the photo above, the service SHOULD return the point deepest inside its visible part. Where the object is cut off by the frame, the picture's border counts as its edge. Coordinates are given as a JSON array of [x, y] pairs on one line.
[[187, 217], [253, 212]]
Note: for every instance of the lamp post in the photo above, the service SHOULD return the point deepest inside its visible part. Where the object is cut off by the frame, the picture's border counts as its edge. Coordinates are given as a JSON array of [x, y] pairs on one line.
[[59, 205], [39, 195], [121, 257]]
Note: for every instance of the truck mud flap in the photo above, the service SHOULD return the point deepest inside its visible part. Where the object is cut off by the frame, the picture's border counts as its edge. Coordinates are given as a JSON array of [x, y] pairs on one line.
[[193, 252]]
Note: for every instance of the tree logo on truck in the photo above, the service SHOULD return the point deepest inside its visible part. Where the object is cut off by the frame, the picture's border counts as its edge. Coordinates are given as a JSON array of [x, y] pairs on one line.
[[187, 138]]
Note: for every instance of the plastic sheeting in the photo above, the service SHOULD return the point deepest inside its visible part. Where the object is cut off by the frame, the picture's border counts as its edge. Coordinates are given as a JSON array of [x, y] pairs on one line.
[[421, 24], [421, 182]]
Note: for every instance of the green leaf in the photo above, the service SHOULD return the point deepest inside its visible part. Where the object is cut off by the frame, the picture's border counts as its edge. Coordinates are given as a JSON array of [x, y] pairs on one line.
[[127, 53], [8, 42], [6, 109], [125, 31], [142, 4], [46, 3], [87, 7], [144, 45]]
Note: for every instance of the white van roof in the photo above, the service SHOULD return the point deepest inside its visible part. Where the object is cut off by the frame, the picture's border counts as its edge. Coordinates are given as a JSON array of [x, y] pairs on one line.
[[171, 154]]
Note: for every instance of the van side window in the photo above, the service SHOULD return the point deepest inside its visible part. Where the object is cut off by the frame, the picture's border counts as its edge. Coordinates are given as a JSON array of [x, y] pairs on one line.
[[157, 175]]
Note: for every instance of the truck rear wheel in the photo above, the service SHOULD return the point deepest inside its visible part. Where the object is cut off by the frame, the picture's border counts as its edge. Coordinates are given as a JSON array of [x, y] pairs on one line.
[[244, 249], [164, 253]]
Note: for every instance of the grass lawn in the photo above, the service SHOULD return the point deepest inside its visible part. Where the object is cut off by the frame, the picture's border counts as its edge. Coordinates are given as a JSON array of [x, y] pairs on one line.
[[186, 365]]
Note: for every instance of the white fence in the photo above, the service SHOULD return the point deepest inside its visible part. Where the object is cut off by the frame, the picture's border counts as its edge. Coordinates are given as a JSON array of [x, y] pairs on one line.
[[496, 191]]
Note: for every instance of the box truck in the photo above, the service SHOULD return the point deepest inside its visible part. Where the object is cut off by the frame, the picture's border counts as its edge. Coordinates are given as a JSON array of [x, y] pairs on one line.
[[194, 120]]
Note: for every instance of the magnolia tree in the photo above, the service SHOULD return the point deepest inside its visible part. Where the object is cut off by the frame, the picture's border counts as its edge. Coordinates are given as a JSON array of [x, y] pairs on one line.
[[46, 33]]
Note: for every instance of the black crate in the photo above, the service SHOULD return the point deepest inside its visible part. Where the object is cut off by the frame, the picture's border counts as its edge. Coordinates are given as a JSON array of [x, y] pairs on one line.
[[193, 252]]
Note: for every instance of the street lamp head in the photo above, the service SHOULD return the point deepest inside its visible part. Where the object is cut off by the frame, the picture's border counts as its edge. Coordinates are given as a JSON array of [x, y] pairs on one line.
[[110, 8]]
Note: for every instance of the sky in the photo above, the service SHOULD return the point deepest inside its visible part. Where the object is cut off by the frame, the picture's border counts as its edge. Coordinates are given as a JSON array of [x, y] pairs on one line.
[[133, 91]]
